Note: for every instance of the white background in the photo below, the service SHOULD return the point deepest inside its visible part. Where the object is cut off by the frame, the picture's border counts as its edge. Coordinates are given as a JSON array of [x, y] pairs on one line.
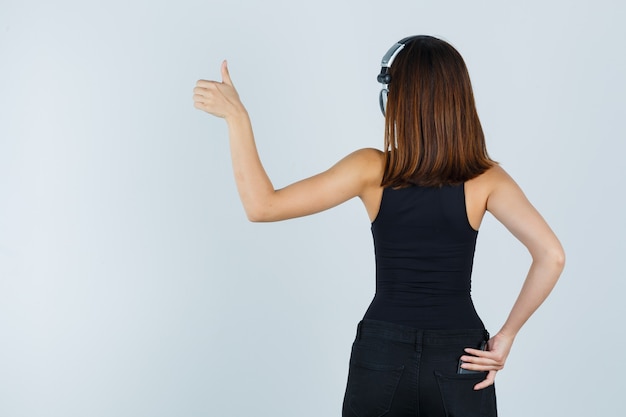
[[131, 283]]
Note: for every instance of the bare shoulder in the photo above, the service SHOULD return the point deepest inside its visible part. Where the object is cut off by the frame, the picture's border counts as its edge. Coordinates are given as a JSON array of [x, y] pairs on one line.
[[368, 156], [369, 163], [494, 174], [497, 174], [500, 190], [490, 180], [497, 180], [480, 191]]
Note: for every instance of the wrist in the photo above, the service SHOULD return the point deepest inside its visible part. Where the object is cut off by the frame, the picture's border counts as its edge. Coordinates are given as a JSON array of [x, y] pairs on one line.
[[507, 333], [238, 114]]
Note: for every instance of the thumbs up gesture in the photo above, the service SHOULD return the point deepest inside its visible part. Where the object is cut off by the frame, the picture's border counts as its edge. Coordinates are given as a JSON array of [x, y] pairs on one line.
[[218, 98]]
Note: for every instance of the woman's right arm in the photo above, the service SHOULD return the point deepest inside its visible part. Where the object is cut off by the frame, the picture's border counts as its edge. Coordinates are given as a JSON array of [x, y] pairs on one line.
[[353, 176], [510, 206]]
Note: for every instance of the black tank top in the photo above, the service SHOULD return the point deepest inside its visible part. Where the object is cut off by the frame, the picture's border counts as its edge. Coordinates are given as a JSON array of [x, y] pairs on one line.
[[424, 249]]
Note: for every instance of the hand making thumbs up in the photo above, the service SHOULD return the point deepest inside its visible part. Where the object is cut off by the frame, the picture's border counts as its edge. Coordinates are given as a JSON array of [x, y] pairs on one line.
[[218, 98]]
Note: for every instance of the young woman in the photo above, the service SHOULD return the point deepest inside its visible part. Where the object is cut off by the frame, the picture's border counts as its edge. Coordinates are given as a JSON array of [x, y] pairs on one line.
[[420, 349]]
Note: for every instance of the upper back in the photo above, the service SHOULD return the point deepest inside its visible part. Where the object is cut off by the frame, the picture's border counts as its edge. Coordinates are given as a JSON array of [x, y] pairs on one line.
[[433, 208], [476, 192]]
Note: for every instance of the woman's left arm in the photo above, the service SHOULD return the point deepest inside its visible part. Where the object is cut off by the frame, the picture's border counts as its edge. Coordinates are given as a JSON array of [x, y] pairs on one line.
[[510, 206]]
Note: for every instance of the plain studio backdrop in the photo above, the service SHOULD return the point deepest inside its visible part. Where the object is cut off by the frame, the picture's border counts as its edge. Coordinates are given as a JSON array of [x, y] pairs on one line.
[[131, 283]]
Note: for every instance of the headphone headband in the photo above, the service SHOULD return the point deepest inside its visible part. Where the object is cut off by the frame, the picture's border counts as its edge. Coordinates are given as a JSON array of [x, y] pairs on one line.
[[384, 77], [394, 51]]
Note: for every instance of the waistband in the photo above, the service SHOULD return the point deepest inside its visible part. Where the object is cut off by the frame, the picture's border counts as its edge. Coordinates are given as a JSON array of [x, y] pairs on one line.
[[406, 334]]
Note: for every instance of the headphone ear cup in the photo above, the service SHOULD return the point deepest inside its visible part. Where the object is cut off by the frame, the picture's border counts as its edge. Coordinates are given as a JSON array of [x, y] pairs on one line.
[[382, 100], [384, 78]]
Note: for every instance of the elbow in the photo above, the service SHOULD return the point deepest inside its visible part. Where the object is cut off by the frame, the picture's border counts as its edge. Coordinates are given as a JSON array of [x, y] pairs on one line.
[[557, 256], [559, 259], [257, 215], [263, 209], [254, 216], [554, 258], [260, 208]]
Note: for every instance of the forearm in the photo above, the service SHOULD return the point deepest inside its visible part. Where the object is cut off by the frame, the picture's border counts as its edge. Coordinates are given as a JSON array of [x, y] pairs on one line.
[[542, 277], [253, 184]]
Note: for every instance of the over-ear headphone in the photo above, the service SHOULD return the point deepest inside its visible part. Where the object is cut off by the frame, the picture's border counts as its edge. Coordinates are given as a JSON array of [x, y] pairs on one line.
[[384, 77]]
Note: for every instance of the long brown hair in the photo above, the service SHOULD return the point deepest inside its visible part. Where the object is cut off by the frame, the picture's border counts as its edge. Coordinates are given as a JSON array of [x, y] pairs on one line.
[[433, 136]]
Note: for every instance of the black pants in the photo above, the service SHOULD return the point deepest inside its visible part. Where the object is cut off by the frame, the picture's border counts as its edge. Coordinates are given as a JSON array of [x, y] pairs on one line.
[[400, 371]]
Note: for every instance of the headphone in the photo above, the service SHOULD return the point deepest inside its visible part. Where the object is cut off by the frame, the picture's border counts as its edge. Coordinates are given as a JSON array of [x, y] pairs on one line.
[[384, 77]]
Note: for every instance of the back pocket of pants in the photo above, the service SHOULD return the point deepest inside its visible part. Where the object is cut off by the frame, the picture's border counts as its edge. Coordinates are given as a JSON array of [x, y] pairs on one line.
[[461, 400], [371, 388]]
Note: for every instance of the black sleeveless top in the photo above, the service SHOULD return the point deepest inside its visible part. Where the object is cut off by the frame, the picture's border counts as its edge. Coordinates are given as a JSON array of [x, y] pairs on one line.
[[424, 249]]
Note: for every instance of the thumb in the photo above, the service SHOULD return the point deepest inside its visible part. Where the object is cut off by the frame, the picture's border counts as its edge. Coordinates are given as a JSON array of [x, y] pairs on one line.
[[225, 74]]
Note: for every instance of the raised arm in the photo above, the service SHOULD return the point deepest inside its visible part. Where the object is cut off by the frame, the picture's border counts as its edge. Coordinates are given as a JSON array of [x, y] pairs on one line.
[[509, 205], [352, 176]]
